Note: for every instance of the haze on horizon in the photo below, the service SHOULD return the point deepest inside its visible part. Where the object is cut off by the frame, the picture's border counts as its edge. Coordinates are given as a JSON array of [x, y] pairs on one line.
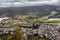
[[10, 3]]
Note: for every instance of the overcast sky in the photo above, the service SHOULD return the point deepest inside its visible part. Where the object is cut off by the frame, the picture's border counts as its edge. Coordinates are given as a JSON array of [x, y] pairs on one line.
[[9, 3]]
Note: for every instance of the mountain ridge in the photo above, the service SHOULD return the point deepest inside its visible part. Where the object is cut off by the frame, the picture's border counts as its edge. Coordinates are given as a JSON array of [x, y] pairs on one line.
[[43, 10]]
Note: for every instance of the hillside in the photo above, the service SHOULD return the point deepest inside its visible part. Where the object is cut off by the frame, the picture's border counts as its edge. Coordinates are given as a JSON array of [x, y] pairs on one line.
[[43, 10]]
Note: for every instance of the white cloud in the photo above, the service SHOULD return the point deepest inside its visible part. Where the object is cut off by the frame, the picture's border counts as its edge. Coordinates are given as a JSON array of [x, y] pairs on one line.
[[27, 3]]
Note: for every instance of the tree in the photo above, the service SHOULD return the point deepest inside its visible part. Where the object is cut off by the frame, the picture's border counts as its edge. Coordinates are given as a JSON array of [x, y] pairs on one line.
[[19, 35]]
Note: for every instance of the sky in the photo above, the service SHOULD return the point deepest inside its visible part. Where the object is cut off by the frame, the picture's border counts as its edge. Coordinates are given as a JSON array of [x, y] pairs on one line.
[[10, 3]]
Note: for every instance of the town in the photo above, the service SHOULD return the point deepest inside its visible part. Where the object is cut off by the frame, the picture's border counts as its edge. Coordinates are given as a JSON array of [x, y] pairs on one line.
[[48, 30]]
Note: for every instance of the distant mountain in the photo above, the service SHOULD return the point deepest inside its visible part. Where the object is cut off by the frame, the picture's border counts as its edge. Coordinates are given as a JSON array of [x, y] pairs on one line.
[[43, 10]]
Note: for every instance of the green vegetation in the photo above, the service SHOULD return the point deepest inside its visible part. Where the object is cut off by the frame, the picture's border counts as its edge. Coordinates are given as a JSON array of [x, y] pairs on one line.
[[25, 20], [18, 35]]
